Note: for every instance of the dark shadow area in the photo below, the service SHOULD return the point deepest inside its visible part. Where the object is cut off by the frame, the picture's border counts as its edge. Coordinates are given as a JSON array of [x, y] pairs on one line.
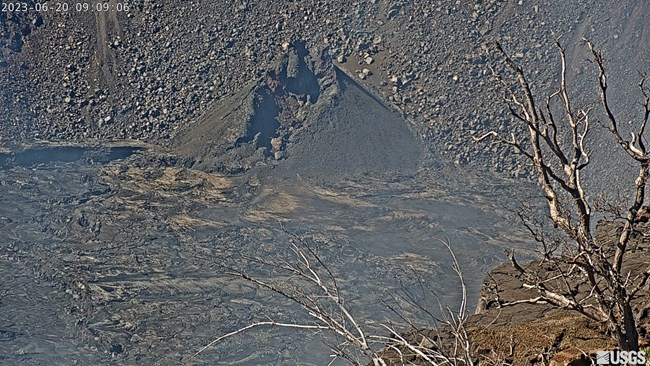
[[264, 122], [119, 152], [306, 83]]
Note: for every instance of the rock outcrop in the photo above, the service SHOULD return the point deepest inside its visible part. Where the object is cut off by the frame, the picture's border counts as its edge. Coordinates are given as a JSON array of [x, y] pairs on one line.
[[541, 334], [307, 118]]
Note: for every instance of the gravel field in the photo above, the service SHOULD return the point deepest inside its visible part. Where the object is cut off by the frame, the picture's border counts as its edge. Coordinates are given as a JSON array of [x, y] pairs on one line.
[[146, 72]]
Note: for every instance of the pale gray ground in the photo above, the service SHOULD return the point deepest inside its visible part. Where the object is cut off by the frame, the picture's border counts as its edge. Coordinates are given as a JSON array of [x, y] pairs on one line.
[[120, 263]]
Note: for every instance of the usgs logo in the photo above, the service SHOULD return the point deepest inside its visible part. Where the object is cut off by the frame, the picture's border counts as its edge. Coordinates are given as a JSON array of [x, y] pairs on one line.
[[620, 358]]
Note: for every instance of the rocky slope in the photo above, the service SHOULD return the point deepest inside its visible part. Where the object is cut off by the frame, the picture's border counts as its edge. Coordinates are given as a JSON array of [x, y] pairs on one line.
[[305, 118], [145, 72]]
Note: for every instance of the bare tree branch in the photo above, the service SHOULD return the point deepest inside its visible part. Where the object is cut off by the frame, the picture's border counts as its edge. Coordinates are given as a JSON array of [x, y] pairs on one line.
[[306, 281], [556, 147]]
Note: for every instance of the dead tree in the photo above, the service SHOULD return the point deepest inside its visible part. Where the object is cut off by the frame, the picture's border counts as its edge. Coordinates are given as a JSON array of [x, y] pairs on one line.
[[305, 280], [554, 145]]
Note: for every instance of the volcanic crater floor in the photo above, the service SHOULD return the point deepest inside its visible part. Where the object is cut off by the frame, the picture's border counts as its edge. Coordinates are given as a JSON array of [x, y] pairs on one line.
[[122, 261]]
